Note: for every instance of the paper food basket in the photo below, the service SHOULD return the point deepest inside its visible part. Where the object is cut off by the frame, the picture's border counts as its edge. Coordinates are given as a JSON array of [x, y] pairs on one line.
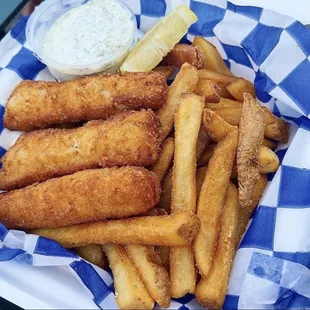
[[271, 268]]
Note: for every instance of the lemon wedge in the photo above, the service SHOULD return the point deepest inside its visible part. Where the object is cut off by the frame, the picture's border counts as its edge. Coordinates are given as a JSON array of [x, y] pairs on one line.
[[159, 40]]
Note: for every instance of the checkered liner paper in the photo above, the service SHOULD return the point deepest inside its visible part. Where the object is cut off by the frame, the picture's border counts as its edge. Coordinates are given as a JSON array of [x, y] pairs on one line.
[[271, 268]]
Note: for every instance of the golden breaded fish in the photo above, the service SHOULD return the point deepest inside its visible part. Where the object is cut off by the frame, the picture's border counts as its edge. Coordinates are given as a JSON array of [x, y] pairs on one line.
[[130, 138], [38, 104], [85, 196]]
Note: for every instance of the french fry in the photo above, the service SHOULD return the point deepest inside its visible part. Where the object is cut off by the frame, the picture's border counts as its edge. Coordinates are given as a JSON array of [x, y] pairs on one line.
[[239, 87], [216, 127], [214, 61], [269, 143], [187, 126], [222, 80], [185, 82], [202, 141], [165, 197], [251, 135], [152, 272], [183, 53], [163, 252], [130, 292], [211, 201], [164, 159], [200, 176], [94, 254], [210, 292], [167, 71], [209, 89], [178, 229], [276, 128], [206, 156], [245, 213], [268, 161]]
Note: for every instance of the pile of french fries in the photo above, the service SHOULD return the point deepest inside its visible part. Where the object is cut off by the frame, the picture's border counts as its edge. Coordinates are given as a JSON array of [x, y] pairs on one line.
[[217, 147]]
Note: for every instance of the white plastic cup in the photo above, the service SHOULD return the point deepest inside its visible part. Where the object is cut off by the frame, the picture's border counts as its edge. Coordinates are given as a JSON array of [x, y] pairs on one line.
[[41, 21]]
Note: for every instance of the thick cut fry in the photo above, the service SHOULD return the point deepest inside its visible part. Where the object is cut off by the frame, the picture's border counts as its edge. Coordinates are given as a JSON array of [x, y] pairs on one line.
[[276, 128], [223, 103], [245, 213], [214, 60], [269, 143], [164, 159], [239, 87], [130, 138], [200, 176], [152, 272], [40, 104], [130, 292], [167, 71], [94, 254], [187, 126], [215, 126], [183, 53], [210, 292], [211, 201], [268, 161], [206, 156], [251, 135], [178, 229], [210, 90], [202, 142], [185, 82], [231, 115], [86, 196], [165, 197], [163, 251]]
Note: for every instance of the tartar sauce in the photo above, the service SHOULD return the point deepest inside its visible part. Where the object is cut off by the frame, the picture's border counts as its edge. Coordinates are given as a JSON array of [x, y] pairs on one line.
[[89, 33]]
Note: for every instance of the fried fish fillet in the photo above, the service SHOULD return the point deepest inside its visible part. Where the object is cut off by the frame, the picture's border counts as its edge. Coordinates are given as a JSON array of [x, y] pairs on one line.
[[130, 138], [85, 196], [39, 104]]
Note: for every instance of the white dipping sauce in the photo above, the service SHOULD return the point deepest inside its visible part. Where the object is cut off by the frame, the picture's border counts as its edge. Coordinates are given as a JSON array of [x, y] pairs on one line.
[[89, 33]]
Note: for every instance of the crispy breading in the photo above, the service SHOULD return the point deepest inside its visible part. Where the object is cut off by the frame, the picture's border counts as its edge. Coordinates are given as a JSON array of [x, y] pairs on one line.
[[130, 138], [167, 71], [182, 53], [39, 104], [251, 135], [85, 196], [178, 229]]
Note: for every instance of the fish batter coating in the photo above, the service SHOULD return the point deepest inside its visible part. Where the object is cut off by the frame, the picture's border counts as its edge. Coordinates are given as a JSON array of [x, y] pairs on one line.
[[129, 138], [39, 104], [85, 196]]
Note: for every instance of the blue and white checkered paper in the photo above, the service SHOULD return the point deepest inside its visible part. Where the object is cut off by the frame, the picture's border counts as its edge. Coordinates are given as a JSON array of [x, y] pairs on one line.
[[271, 268]]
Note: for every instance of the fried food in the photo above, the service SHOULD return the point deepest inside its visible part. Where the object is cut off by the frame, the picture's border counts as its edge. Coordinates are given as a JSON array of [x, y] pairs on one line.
[[167, 71], [206, 156], [211, 201], [269, 143], [251, 135], [268, 161], [245, 213], [240, 87], [94, 254], [276, 128], [187, 127], [224, 103], [130, 292], [178, 229], [165, 197], [210, 90], [184, 82], [202, 141], [38, 104], [85, 196], [200, 176], [164, 159], [130, 138], [210, 292], [183, 53], [152, 272], [214, 60]]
